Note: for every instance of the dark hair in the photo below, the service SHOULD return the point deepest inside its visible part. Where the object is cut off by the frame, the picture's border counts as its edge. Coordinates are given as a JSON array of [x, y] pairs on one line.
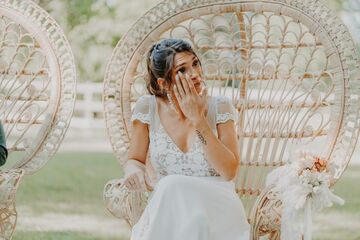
[[160, 60]]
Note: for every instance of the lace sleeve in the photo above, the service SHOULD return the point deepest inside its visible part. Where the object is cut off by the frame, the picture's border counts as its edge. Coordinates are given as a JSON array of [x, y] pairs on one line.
[[225, 110], [141, 110]]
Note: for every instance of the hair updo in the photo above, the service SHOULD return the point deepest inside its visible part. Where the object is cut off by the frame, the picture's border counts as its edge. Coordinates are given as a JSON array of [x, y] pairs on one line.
[[160, 61]]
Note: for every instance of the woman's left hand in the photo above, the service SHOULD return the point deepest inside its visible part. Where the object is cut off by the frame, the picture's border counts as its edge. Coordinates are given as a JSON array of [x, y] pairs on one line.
[[192, 104]]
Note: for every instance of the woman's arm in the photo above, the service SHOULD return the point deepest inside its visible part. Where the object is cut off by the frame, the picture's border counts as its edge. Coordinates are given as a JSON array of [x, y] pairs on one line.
[[139, 142], [222, 152], [134, 168]]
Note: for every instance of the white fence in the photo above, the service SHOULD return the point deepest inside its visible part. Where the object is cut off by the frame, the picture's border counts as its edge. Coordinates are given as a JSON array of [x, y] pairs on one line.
[[88, 113]]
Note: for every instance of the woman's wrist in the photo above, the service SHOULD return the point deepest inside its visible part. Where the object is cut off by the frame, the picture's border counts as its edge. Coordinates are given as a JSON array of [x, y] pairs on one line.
[[200, 122], [131, 164], [202, 129]]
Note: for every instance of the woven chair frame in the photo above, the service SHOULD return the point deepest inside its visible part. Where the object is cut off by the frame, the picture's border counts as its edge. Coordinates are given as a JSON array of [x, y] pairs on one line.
[[124, 83], [42, 111], [9, 182], [37, 96]]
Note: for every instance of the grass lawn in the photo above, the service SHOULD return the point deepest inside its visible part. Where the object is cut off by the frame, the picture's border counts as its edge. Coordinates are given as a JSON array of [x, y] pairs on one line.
[[342, 222], [70, 184], [58, 235], [63, 201]]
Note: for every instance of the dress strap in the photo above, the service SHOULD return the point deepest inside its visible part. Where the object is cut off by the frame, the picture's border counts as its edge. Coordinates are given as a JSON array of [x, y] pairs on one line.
[[151, 110], [154, 119]]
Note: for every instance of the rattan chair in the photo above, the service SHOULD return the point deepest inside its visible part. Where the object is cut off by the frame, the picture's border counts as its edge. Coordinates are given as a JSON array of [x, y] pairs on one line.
[[290, 68], [37, 96]]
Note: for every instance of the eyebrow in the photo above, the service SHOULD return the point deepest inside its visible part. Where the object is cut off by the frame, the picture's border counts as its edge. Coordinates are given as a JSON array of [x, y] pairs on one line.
[[194, 58]]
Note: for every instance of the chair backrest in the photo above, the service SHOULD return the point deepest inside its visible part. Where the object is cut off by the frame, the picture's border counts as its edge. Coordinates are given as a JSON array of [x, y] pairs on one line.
[[37, 85], [290, 68]]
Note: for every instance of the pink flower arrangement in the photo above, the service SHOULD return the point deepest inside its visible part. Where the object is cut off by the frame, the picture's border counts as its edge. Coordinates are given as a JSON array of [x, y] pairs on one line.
[[303, 187]]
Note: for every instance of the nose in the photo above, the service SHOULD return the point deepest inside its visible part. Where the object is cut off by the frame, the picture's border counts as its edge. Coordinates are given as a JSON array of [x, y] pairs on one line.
[[193, 74]]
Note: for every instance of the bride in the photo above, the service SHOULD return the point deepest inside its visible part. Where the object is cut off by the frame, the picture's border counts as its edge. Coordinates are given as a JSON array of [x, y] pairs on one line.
[[191, 143]]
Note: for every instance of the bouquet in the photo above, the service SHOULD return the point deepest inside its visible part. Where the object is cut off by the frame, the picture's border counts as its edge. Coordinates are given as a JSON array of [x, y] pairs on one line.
[[303, 186]]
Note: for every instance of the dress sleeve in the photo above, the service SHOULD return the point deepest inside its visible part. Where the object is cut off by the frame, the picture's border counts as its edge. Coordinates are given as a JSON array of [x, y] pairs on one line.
[[141, 110], [225, 110]]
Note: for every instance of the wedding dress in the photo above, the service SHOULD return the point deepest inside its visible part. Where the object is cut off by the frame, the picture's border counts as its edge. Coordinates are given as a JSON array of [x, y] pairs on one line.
[[190, 201]]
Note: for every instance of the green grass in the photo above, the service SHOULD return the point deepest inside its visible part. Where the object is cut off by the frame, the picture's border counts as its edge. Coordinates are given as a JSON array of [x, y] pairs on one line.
[[70, 179], [72, 183], [20, 235], [348, 188], [338, 234]]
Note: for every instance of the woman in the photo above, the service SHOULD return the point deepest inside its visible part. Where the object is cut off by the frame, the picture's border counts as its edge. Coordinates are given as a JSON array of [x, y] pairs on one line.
[[192, 146]]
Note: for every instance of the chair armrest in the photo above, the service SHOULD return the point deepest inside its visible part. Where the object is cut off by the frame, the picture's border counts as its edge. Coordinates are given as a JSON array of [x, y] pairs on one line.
[[9, 182], [265, 215], [123, 203]]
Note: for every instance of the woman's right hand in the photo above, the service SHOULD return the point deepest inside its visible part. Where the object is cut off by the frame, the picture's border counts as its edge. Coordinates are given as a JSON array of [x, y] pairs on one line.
[[134, 179]]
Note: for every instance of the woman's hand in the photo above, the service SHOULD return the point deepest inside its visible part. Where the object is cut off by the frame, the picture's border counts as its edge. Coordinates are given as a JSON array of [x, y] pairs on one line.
[[134, 179], [192, 104]]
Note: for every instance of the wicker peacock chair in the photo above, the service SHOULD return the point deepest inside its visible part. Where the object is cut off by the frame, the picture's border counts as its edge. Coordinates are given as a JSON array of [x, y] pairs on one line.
[[37, 95], [290, 68]]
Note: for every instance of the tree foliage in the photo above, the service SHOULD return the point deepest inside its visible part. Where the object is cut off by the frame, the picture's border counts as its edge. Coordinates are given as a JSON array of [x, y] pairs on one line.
[[94, 27]]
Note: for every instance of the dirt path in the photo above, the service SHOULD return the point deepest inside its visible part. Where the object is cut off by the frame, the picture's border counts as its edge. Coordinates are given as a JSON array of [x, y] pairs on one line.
[[105, 227]]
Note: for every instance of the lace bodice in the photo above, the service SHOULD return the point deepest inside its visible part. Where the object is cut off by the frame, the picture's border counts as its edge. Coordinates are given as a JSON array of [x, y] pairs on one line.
[[165, 156]]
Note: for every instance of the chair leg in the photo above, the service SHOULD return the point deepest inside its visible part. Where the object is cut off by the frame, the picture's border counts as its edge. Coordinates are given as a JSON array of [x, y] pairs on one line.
[[274, 235], [255, 235], [9, 182], [8, 219]]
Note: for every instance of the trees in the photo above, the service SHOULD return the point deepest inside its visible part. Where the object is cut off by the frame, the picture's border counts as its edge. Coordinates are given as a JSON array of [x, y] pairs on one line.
[[93, 28]]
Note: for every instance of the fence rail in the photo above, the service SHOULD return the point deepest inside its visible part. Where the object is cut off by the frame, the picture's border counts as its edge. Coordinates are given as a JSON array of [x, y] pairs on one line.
[[88, 112]]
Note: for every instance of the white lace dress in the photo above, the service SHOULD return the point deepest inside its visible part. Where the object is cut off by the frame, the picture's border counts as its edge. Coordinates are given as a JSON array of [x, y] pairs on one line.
[[190, 201]]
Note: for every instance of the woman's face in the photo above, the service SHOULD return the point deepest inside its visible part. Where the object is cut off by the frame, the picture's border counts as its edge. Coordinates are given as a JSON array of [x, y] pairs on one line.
[[188, 64]]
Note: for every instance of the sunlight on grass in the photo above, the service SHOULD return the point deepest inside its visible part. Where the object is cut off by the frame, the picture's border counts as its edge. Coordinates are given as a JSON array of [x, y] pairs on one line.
[[72, 184]]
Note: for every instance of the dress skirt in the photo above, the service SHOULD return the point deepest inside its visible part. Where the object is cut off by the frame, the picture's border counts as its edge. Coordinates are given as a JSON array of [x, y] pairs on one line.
[[192, 208]]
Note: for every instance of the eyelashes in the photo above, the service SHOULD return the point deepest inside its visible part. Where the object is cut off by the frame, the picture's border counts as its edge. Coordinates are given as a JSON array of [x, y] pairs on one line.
[[183, 70]]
